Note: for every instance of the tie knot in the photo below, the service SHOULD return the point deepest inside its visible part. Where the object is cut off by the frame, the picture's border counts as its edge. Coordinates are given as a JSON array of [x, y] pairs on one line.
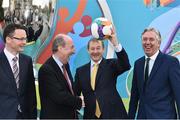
[[63, 66], [95, 65], [148, 59], [15, 59]]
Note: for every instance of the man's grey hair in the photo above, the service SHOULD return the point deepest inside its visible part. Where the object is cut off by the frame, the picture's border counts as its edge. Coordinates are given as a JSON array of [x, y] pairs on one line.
[[158, 35], [58, 41]]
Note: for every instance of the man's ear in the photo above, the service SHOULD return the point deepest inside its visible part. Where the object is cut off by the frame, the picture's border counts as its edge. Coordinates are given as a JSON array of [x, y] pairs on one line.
[[88, 51], [8, 39]]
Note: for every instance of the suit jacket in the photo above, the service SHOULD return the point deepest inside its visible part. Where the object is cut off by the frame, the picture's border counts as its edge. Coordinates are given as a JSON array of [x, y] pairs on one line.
[[105, 91], [156, 99], [10, 96], [57, 100]]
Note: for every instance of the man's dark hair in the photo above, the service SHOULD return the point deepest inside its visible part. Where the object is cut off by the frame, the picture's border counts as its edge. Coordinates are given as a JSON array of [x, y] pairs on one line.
[[10, 29], [94, 40]]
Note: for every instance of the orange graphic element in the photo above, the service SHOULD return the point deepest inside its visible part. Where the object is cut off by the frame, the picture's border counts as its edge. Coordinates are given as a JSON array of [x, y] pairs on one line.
[[165, 2], [147, 2], [177, 53], [63, 26], [162, 2]]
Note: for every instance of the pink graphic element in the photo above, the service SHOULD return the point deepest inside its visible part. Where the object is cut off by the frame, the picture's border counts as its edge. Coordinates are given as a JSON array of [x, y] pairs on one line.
[[86, 20]]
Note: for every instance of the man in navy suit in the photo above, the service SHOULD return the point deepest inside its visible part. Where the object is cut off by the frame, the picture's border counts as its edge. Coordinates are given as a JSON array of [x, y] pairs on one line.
[[101, 97], [17, 83], [156, 82], [55, 82]]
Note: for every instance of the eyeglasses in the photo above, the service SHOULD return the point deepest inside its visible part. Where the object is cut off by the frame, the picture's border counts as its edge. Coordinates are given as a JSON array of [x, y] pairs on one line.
[[20, 39]]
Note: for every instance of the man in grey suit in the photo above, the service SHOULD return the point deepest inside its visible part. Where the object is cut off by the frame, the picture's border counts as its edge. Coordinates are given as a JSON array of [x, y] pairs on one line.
[[17, 83], [156, 82]]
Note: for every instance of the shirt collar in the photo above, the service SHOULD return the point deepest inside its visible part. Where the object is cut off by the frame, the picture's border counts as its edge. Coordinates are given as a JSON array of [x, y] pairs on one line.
[[92, 62], [60, 64], [9, 55], [153, 57]]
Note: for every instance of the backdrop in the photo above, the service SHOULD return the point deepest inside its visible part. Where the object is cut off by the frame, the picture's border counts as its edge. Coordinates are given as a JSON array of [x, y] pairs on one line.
[[130, 17]]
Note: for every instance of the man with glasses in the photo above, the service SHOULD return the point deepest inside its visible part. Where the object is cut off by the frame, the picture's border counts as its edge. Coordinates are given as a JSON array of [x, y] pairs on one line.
[[17, 87]]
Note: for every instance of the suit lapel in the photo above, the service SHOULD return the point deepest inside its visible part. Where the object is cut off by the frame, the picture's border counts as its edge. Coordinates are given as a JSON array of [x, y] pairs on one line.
[[99, 72], [59, 73], [69, 74], [156, 66], [6, 67], [141, 72], [86, 73], [22, 69]]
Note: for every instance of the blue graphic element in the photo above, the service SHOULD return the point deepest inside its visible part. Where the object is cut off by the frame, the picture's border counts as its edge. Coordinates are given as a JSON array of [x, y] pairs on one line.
[[79, 42], [1, 43], [167, 26]]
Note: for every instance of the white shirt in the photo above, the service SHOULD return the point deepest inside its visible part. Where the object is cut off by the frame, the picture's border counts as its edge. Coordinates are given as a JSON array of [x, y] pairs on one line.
[[151, 61], [93, 63], [10, 56], [60, 64], [118, 48]]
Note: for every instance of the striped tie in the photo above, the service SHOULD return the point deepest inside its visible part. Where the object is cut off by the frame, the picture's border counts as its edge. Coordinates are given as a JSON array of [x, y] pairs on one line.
[[16, 71], [16, 76]]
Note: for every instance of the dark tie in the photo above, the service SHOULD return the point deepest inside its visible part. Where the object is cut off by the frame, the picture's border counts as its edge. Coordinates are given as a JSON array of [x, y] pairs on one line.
[[16, 70], [146, 74], [67, 79]]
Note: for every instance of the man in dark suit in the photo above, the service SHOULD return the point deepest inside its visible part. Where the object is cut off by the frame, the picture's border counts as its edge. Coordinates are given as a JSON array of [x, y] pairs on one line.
[[97, 81], [55, 82], [156, 82], [17, 83]]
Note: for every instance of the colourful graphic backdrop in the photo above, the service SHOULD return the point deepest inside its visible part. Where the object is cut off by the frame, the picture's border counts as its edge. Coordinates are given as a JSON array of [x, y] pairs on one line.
[[130, 17]]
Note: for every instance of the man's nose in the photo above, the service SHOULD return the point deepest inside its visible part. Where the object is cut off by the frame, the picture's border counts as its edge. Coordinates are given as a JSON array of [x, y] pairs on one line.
[[24, 42], [95, 50], [147, 41]]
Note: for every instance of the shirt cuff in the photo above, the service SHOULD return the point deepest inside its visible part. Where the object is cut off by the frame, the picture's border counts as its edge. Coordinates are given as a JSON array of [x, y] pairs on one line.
[[118, 48]]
